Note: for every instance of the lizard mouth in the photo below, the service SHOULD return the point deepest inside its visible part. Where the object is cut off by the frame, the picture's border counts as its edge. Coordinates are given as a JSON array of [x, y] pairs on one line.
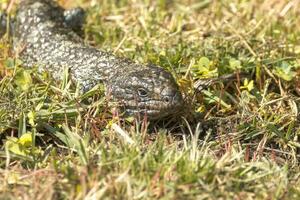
[[150, 114], [153, 109]]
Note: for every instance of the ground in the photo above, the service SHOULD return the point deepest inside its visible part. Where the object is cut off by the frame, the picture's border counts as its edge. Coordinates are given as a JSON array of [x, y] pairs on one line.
[[238, 139]]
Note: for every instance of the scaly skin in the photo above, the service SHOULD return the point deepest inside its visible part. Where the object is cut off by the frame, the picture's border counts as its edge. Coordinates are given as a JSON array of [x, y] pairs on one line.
[[47, 42]]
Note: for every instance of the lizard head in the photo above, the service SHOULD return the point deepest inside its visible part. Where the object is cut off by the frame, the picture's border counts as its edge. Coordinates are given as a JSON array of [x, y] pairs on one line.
[[147, 91]]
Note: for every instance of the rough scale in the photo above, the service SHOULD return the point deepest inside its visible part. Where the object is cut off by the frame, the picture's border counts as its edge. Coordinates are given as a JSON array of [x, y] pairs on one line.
[[44, 39]]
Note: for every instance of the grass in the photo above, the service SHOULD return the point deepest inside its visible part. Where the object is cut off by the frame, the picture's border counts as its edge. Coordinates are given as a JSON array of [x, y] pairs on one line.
[[238, 140]]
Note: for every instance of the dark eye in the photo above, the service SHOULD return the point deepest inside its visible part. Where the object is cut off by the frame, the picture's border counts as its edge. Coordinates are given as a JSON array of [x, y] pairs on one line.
[[142, 92]]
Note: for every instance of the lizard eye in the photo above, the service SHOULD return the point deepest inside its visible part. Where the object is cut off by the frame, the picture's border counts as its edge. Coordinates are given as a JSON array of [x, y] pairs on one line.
[[142, 92]]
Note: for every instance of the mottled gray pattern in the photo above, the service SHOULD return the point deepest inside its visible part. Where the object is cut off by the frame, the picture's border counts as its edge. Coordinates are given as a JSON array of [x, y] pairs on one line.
[[43, 39]]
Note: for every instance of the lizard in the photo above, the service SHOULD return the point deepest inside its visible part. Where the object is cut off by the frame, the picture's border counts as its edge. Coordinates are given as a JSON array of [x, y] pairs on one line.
[[50, 39]]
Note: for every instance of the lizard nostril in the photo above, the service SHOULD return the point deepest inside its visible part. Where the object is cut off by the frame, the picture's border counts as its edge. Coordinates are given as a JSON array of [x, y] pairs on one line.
[[167, 99]]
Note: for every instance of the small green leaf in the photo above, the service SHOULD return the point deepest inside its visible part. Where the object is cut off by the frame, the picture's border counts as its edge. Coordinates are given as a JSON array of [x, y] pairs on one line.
[[22, 125], [204, 68], [235, 64], [204, 62], [31, 118], [285, 71], [12, 145], [11, 63], [23, 80], [26, 140], [248, 85]]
